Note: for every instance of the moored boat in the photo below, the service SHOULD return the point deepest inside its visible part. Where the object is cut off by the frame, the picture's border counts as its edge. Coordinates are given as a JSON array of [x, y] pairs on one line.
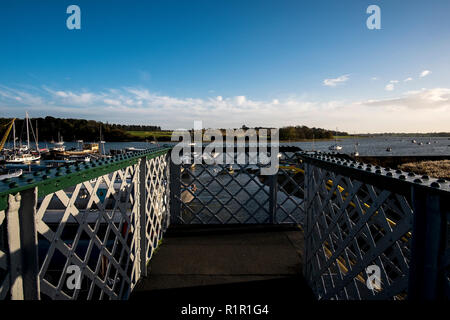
[[11, 174], [88, 148], [25, 158]]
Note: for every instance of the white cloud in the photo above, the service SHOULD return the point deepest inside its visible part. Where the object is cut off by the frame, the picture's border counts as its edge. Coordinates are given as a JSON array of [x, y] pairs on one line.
[[240, 100], [408, 79], [334, 82], [391, 85], [425, 73], [113, 102], [422, 110], [420, 99]]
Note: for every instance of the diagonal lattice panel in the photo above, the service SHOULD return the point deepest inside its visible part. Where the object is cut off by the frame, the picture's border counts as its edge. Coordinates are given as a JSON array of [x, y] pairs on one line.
[[238, 193], [290, 186], [352, 225], [4, 273], [157, 201], [92, 225]]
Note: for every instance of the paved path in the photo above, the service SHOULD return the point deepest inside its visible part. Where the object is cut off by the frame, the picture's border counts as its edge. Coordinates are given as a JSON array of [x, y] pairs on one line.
[[213, 263]]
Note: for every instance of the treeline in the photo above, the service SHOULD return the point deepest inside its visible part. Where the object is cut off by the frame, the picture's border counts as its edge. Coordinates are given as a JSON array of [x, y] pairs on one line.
[[293, 132], [50, 128], [303, 132], [127, 127]]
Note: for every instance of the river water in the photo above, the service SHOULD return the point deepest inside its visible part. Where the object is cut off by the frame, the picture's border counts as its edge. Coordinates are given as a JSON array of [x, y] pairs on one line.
[[401, 146], [212, 203]]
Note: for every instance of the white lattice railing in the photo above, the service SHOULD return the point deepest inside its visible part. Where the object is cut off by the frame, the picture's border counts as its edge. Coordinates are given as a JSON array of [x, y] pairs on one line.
[[97, 224], [106, 219], [362, 218], [237, 193]]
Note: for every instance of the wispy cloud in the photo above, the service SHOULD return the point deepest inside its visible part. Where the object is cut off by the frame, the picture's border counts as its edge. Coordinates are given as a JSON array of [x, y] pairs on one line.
[[391, 85], [408, 79], [418, 99], [334, 82], [425, 73], [429, 109]]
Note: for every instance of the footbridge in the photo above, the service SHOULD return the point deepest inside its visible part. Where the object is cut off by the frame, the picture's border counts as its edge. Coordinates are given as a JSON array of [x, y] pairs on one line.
[[131, 226]]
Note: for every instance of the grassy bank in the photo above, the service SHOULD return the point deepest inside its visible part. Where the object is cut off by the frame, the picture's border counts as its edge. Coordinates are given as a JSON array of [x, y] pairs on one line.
[[436, 169]]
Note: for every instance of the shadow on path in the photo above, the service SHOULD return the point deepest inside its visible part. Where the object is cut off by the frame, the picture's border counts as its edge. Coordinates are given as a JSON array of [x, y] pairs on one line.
[[218, 265]]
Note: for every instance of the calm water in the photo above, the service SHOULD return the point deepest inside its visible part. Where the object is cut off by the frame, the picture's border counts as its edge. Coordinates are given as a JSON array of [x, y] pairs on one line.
[[251, 205], [247, 199], [401, 146]]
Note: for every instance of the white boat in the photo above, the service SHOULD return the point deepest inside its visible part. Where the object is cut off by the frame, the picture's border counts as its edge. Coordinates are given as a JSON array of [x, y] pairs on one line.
[[22, 158], [355, 153], [59, 146], [23, 148], [23, 154], [11, 174], [335, 147]]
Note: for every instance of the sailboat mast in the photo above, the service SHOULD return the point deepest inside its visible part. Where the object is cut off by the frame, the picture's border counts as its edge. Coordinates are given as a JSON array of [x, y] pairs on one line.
[[14, 136], [37, 136], [100, 144], [28, 131]]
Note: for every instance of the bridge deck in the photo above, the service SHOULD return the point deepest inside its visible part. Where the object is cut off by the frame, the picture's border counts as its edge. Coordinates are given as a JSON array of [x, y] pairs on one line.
[[212, 262]]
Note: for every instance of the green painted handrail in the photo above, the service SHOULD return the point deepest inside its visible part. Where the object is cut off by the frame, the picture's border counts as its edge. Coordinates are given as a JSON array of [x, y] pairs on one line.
[[51, 180]]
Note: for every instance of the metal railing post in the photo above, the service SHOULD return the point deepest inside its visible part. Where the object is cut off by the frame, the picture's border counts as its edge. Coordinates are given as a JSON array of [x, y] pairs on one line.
[[23, 245], [175, 190], [306, 206], [143, 215], [166, 218], [273, 188], [426, 278]]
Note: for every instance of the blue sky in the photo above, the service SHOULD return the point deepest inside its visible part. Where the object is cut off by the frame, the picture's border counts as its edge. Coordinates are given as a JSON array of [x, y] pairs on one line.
[[256, 62]]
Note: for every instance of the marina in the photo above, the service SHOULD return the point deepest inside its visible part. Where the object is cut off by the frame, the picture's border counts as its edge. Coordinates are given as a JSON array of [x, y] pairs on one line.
[[224, 159]]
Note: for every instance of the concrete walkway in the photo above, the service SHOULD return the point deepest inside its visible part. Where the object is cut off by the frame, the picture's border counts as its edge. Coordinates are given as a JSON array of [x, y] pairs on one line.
[[209, 263]]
